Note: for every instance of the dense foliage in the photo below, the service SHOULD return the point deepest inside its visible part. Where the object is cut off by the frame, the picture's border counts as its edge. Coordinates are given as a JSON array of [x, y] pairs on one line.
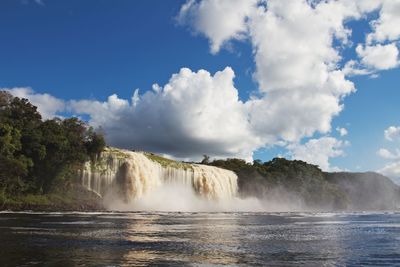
[[35, 154]]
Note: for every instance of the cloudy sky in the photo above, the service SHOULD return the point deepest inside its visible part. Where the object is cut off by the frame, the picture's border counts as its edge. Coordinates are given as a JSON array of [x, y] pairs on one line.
[[311, 80]]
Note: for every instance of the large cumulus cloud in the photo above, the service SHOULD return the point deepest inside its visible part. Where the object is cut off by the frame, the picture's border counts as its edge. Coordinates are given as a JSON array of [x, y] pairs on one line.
[[195, 113]]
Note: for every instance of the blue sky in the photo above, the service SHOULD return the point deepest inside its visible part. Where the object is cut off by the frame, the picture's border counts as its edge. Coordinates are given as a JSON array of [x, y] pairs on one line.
[[89, 50], [75, 49]]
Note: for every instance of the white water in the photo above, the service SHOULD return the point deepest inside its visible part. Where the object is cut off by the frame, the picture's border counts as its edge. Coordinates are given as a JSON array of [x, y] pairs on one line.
[[130, 181]]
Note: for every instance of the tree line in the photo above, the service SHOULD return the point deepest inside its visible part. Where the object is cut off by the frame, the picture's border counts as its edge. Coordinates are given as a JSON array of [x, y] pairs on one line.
[[37, 154]]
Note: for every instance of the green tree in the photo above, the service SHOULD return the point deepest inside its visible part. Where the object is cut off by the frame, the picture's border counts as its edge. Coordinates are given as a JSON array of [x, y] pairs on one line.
[[9, 140], [55, 160], [14, 165], [75, 132], [94, 143], [206, 159], [12, 169]]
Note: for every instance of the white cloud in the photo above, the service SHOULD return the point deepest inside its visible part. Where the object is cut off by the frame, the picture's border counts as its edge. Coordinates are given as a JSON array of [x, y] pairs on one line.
[[380, 57], [293, 47], [205, 17], [47, 105], [194, 114], [342, 131], [353, 67], [386, 154], [39, 2], [392, 170], [319, 151], [392, 133], [380, 52], [386, 27]]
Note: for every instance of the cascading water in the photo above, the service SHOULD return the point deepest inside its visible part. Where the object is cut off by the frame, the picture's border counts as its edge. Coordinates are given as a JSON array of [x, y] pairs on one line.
[[132, 175]]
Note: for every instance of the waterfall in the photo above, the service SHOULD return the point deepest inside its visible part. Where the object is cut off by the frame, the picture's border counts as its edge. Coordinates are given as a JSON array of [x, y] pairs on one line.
[[132, 175]]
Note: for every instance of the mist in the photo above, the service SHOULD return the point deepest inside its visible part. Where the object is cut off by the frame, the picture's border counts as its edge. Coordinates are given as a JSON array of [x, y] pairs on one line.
[[175, 197]]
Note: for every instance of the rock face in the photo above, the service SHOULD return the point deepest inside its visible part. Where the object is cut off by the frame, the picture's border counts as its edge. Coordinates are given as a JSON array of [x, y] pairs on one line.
[[130, 175]]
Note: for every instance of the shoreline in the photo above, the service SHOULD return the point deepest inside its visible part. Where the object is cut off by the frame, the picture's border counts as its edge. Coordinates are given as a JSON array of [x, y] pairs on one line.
[[100, 208], [52, 208], [73, 197]]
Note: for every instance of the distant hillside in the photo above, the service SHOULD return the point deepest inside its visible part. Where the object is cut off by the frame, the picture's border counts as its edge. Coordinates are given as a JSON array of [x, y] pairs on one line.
[[317, 190], [367, 191]]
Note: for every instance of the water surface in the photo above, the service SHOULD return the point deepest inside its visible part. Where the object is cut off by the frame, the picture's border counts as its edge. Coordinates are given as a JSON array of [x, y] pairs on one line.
[[199, 239]]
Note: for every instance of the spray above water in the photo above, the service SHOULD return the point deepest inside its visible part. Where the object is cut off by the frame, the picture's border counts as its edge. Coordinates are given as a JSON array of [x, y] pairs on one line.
[[131, 181]]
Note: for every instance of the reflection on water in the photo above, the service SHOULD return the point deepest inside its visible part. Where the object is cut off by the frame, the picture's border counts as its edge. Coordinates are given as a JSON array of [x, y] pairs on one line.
[[126, 239], [184, 238]]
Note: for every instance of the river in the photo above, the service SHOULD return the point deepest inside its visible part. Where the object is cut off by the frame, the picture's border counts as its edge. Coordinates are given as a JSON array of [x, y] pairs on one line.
[[199, 239]]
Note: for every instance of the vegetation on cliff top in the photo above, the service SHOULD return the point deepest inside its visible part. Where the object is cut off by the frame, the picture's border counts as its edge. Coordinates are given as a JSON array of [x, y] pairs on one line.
[[168, 162]]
